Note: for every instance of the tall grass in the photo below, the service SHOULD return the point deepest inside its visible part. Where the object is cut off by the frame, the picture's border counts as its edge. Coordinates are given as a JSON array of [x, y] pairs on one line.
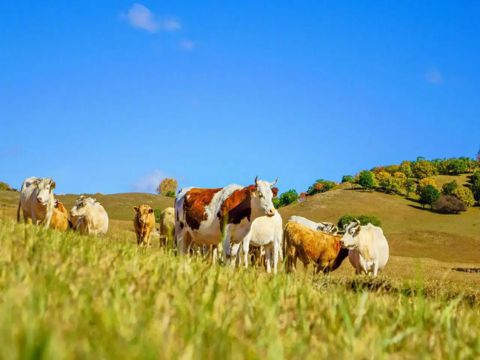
[[70, 296]]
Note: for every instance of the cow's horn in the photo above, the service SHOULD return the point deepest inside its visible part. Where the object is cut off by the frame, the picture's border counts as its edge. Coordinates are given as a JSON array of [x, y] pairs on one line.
[[274, 183], [256, 180]]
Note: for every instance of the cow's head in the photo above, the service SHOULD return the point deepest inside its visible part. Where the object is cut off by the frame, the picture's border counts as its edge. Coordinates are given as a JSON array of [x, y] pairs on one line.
[[45, 188], [142, 213], [262, 197], [350, 239], [81, 205]]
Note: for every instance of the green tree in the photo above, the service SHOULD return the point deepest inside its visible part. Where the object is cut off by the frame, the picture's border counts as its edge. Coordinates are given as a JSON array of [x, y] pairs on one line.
[[410, 186], [428, 195], [423, 168], [364, 220], [406, 168], [366, 179], [286, 198], [348, 178], [321, 186], [167, 186], [449, 188]]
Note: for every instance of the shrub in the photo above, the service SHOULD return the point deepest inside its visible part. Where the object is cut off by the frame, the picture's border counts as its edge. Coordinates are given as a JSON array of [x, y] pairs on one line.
[[320, 186], [167, 186], [448, 204], [449, 188], [4, 186], [475, 188], [286, 198], [465, 195], [348, 178], [428, 195], [364, 220], [387, 182], [366, 179]]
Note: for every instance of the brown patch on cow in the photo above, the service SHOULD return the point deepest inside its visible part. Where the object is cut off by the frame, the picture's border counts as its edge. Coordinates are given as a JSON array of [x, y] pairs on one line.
[[236, 207], [194, 205]]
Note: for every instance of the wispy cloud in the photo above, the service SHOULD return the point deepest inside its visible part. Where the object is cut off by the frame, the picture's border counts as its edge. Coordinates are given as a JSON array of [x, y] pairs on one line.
[[434, 76], [187, 45], [141, 17], [148, 182]]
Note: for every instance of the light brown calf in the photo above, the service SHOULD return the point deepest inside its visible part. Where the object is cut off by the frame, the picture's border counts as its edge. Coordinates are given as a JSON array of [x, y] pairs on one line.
[[312, 246], [59, 217], [144, 224]]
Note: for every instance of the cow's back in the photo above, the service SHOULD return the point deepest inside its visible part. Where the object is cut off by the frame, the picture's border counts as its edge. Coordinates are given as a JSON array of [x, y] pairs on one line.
[[374, 241]]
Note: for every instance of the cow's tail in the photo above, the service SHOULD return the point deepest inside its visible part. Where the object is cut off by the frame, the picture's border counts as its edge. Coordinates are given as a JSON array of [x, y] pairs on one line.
[[18, 210]]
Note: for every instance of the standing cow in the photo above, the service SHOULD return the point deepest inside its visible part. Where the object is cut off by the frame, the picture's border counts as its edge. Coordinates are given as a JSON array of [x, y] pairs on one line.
[[203, 216], [144, 224], [167, 227], [59, 217], [368, 247], [306, 244], [89, 217], [266, 232], [37, 201]]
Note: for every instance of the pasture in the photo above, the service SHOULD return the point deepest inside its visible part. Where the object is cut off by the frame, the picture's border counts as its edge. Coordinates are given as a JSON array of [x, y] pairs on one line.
[[71, 296]]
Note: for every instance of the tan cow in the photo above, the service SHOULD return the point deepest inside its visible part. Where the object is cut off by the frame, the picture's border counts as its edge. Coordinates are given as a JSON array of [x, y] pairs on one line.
[[312, 246], [144, 224], [167, 227], [59, 217]]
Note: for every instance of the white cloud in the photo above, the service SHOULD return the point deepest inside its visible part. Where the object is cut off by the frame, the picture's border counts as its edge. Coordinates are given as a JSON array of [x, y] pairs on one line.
[[171, 25], [148, 182], [187, 45], [434, 76], [140, 17]]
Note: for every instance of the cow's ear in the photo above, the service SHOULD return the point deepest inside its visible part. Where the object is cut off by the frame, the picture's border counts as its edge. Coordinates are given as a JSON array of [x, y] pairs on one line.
[[52, 184], [357, 230], [150, 210], [252, 189], [135, 208], [274, 191]]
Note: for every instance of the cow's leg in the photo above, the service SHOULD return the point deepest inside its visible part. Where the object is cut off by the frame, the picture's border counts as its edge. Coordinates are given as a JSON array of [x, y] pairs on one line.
[[246, 250], [275, 255], [268, 259], [234, 254], [375, 268]]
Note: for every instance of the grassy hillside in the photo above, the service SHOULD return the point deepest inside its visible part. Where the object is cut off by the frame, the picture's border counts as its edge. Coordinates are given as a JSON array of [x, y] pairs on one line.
[[118, 206], [71, 296], [411, 231]]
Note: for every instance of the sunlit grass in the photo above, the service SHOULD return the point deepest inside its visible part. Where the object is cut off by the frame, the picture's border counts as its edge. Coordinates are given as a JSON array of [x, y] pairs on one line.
[[70, 296]]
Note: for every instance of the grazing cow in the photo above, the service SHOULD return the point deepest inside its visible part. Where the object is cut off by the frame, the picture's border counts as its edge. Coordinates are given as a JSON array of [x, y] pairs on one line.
[[59, 217], [37, 201], [322, 226], [307, 244], [89, 217], [167, 227], [144, 224], [368, 247], [203, 216], [266, 232]]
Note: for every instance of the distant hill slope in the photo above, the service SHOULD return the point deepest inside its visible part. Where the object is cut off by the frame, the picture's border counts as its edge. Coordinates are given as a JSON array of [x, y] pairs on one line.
[[118, 206], [411, 231]]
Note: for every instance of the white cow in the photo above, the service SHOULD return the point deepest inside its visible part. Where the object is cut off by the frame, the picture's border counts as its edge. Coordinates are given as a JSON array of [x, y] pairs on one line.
[[89, 217], [266, 232], [368, 247], [322, 226], [37, 200]]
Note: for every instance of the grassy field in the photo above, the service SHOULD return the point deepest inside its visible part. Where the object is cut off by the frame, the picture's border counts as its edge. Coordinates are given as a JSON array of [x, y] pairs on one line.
[[71, 296]]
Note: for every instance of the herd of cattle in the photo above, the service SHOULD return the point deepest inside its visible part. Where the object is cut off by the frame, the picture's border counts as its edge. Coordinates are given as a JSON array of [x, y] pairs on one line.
[[229, 223]]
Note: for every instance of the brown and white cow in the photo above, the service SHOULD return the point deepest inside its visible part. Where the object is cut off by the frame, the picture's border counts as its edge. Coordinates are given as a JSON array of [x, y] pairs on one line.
[[208, 216]]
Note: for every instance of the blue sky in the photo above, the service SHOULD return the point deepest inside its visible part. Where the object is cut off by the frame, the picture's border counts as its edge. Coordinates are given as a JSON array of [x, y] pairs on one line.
[[111, 96]]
